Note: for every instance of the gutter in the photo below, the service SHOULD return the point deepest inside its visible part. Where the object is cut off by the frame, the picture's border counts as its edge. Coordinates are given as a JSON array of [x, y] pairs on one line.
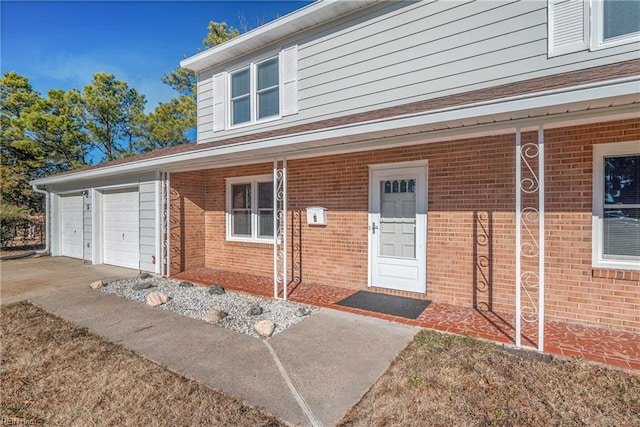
[[46, 217]]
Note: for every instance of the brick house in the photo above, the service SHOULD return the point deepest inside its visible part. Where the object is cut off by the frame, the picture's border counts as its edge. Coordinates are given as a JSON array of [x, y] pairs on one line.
[[482, 154]]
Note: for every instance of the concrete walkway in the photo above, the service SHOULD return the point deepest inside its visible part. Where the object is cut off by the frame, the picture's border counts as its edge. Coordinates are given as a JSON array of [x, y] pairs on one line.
[[310, 374]]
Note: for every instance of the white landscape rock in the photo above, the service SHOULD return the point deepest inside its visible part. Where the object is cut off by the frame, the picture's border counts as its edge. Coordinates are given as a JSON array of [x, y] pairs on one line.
[[97, 284], [196, 302], [214, 315], [156, 298], [265, 328]]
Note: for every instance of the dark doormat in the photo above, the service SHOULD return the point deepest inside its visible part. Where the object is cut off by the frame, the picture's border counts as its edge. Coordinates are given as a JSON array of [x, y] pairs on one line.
[[408, 308]]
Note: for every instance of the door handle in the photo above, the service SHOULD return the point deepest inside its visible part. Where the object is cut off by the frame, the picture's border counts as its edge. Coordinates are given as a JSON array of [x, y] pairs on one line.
[[373, 227]]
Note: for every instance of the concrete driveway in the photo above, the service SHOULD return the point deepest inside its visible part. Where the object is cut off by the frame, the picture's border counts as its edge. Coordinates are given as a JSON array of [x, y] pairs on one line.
[[29, 277], [309, 374]]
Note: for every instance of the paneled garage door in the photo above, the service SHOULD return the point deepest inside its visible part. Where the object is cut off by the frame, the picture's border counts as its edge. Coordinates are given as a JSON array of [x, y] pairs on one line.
[[71, 226], [120, 220]]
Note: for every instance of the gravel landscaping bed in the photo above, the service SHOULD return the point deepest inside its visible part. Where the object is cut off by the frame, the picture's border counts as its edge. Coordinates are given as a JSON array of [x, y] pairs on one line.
[[196, 301]]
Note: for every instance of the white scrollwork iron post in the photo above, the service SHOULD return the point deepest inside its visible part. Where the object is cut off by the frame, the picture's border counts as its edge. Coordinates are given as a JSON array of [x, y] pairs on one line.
[[280, 228], [529, 244], [164, 258]]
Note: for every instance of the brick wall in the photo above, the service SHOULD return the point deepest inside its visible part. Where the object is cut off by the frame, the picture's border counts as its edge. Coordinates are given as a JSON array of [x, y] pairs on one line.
[[470, 225], [575, 292], [253, 258], [187, 219]]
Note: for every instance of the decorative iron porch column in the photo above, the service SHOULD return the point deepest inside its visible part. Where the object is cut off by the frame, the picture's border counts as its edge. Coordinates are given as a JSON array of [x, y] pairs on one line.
[[164, 227], [529, 248], [280, 228]]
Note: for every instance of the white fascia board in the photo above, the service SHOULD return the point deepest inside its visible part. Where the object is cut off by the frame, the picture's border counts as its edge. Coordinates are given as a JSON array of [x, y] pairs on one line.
[[355, 132], [294, 22]]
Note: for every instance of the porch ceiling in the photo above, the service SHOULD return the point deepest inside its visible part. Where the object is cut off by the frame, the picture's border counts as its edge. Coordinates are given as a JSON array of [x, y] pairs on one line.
[[612, 100]]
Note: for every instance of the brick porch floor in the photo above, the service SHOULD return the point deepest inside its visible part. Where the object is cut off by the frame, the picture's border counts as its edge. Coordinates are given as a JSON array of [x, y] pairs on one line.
[[618, 349]]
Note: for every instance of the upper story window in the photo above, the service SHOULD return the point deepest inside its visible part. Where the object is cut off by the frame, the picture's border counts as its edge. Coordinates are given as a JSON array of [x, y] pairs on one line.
[[616, 205], [615, 22], [255, 92], [263, 90], [576, 25]]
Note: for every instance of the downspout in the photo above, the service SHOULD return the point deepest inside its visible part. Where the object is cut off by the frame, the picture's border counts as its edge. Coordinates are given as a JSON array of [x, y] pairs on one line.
[[46, 217]]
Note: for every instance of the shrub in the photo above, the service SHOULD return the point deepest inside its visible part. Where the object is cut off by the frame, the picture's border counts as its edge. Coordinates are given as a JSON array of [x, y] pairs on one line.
[[11, 217]]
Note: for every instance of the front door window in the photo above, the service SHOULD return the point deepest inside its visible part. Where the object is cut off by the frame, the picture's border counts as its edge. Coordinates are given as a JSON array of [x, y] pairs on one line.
[[397, 219]]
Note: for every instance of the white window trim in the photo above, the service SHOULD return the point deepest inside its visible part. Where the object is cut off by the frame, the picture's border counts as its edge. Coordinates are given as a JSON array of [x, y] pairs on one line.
[[253, 181], [581, 25], [253, 93], [597, 29], [600, 151]]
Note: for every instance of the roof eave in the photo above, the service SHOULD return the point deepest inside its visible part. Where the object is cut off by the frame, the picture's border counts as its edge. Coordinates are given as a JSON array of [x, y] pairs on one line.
[[299, 20], [541, 101]]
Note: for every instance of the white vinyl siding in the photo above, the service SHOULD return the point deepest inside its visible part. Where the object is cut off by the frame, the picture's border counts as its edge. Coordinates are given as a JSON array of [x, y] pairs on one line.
[[148, 226], [436, 49], [205, 104]]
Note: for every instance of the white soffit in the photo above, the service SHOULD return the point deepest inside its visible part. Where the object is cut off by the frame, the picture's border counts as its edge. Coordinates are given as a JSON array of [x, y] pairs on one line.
[[567, 106], [299, 20]]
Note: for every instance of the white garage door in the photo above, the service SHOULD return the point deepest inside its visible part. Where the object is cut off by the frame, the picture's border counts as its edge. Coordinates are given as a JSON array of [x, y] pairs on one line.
[[120, 221], [71, 229]]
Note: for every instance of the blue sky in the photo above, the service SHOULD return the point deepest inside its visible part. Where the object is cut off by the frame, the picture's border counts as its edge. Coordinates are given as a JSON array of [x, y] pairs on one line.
[[61, 44]]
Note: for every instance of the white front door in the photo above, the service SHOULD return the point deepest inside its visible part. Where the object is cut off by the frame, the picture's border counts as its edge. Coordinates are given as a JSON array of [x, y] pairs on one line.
[[397, 227], [121, 234], [71, 237]]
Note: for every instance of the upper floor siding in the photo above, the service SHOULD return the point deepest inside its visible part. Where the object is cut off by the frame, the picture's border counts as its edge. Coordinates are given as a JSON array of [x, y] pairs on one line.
[[403, 52]]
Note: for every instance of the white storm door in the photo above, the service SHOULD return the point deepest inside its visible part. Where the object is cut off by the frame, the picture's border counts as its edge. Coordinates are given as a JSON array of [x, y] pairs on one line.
[[397, 228], [71, 226], [121, 234]]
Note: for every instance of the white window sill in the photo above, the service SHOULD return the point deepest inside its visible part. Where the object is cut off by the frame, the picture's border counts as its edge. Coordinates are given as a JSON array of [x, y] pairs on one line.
[[250, 240], [254, 122], [617, 265]]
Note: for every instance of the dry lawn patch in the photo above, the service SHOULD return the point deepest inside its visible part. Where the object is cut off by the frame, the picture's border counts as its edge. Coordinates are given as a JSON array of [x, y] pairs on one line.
[[56, 373], [444, 380]]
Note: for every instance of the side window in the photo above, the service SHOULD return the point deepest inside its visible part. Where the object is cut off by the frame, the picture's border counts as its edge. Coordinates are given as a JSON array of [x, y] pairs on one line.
[[621, 207], [616, 205], [250, 208]]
